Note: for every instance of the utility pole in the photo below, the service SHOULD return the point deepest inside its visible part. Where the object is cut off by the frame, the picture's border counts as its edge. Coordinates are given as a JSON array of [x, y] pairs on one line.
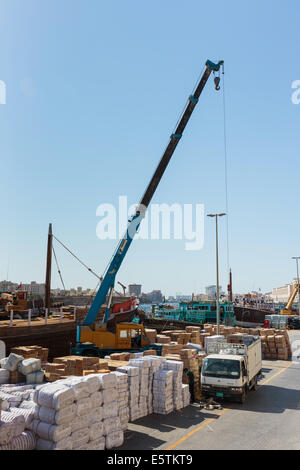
[[48, 269], [296, 258], [217, 271]]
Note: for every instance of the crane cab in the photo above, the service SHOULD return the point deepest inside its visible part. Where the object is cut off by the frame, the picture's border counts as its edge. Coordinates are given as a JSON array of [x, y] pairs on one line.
[[100, 341]]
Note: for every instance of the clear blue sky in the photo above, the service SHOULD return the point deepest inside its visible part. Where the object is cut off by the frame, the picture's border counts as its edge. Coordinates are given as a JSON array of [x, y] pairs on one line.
[[95, 88]]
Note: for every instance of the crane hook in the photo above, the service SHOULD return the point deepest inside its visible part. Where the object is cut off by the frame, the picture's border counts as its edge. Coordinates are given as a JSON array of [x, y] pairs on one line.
[[217, 83]]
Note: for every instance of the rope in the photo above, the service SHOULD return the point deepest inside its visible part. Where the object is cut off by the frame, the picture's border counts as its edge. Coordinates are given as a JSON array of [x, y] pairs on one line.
[[81, 262], [226, 173], [59, 272]]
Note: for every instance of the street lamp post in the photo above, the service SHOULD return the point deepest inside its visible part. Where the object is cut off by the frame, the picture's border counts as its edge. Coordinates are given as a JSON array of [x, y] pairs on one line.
[[217, 270], [296, 258]]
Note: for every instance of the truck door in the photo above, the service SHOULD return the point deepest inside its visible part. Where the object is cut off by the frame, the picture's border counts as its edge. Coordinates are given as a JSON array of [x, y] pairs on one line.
[[124, 338]]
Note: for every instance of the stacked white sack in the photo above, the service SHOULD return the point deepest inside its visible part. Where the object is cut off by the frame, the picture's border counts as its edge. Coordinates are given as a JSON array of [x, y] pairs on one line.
[[156, 364], [14, 396], [186, 396], [114, 435], [13, 435], [122, 398], [177, 368], [52, 400], [163, 392], [143, 364], [133, 390]]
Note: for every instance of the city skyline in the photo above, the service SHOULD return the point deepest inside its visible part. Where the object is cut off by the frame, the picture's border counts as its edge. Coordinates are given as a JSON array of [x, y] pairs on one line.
[[72, 143]]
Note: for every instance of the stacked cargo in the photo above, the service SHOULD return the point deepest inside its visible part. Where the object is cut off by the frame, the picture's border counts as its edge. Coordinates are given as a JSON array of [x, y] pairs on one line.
[[67, 366], [186, 396], [177, 369], [163, 339], [15, 433], [143, 364], [28, 352], [163, 392], [151, 335], [122, 398], [133, 390], [22, 370], [79, 413]]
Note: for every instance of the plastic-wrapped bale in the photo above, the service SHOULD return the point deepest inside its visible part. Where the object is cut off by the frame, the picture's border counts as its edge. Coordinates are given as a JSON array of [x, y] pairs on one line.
[[107, 381], [4, 376], [109, 395], [9, 400], [35, 377], [114, 439], [163, 392], [97, 430], [44, 444], [17, 420], [12, 362], [143, 364], [51, 432], [213, 339], [177, 368], [80, 437], [84, 406], [28, 366], [186, 396], [7, 432], [27, 404], [124, 417], [80, 387], [25, 441], [110, 410], [27, 413], [55, 396], [110, 425], [81, 422], [97, 444], [51, 416]]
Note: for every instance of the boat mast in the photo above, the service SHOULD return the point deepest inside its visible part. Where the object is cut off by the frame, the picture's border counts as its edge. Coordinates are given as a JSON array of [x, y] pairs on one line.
[[48, 269]]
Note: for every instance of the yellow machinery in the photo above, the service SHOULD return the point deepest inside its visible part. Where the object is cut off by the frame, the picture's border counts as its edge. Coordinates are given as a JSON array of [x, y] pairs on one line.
[[16, 301], [127, 337], [288, 308]]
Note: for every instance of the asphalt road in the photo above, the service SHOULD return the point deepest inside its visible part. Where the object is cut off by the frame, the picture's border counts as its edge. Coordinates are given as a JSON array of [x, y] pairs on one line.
[[269, 420]]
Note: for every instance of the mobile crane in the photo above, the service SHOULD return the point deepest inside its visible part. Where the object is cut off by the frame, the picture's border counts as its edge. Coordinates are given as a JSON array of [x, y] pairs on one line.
[[287, 310], [96, 340]]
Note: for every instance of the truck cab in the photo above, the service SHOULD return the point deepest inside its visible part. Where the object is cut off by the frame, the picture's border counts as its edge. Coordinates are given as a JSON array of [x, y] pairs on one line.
[[231, 371]]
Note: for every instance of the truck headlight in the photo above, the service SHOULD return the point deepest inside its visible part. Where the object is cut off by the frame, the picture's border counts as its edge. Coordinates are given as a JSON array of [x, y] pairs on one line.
[[236, 389], [206, 387]]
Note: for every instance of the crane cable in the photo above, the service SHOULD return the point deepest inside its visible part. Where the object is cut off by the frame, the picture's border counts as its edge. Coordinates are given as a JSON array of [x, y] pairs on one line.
[[81, 262], [59, 271], [226, 170]]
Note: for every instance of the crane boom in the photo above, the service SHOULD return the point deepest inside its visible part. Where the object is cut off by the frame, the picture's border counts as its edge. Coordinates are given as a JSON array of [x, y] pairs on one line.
[[108, 282]]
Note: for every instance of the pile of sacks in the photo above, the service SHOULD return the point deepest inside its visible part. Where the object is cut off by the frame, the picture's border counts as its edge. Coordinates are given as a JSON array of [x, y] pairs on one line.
[[177, 369], [154, 385], [19, 370], [78, 413], [16, 418]]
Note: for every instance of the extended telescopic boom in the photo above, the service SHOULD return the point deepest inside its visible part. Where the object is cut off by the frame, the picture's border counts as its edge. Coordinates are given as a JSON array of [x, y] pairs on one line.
[[108, 282]]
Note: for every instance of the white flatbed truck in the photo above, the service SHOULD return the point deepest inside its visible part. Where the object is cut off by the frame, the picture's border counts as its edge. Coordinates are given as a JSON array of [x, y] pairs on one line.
[[231, 370]]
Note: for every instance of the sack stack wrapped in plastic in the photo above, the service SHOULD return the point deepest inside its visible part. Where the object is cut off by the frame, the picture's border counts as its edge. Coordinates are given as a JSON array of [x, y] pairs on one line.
[[143, 364], [14, 430], [78, 413], [186, 396], [133, 390], [177, 368], [122, 398], [163, 392]]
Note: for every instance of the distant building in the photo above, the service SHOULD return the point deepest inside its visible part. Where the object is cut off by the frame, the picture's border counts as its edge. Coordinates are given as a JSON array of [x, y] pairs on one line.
[[79, 290], [281, 294], [155, 296], [8, 286], [211, 291], [135, 289], [34, 288]]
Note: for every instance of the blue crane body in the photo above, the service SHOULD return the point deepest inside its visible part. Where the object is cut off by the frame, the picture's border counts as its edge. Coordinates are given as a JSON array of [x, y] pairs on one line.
[[108, 282]]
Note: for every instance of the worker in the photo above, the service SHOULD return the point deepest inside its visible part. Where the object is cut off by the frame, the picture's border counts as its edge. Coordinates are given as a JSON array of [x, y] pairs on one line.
[[191, 380]]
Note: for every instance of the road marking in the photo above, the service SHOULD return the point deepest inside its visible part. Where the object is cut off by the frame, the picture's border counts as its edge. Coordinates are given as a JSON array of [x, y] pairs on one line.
[[196, 430], [277, 373], [184, 438]]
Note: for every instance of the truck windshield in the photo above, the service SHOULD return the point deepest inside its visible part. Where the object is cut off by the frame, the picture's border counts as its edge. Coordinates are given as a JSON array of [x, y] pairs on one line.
[[222, 368]]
